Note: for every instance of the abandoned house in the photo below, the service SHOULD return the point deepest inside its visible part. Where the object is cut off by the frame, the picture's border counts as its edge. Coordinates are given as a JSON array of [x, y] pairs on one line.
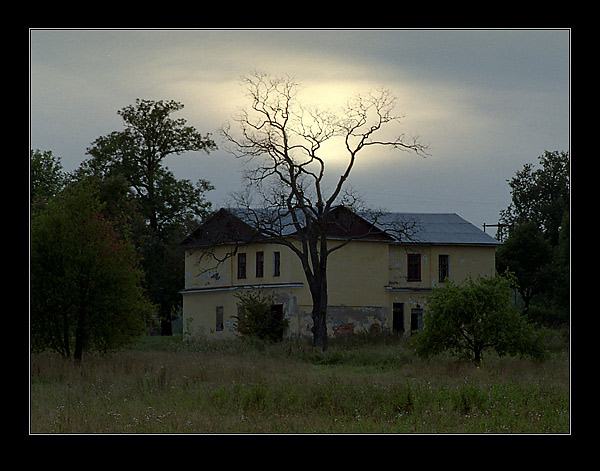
[[379, 280]]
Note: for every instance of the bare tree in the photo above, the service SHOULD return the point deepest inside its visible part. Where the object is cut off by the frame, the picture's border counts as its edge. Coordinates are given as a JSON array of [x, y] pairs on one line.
[[282, 145]]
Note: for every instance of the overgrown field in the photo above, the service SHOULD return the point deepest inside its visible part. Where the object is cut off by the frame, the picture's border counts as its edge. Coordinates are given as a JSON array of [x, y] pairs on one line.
[[360, 385]]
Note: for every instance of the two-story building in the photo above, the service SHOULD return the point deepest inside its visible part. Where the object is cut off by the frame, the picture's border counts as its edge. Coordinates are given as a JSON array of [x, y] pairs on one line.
[[377, 280]]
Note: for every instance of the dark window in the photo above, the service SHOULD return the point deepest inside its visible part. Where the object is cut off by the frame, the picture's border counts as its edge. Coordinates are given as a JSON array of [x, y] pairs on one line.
[[277, 313], [219, 323], [444, 267], [241, 265], [260, 264], [276, 263], [398, 317], [414, 267]]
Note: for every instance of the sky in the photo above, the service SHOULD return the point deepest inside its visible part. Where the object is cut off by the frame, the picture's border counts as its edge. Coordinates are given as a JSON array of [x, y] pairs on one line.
[[484, 101]]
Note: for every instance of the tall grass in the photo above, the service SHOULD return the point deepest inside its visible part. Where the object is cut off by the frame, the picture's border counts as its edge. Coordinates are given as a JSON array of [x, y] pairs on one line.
[[358, 386]]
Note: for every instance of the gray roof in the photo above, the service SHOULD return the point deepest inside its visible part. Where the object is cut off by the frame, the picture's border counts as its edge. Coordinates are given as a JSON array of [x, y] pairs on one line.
[[421, 228], [440, 228]]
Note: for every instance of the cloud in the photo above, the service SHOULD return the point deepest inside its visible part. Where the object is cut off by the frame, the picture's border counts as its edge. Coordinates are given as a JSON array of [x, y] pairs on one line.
[[485, 101]]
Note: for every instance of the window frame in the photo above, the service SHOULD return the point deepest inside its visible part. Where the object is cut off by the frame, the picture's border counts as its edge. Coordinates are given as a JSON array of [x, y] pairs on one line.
[[276, 263], [260, 264], [446, 265], [410, 267], [241, 266]]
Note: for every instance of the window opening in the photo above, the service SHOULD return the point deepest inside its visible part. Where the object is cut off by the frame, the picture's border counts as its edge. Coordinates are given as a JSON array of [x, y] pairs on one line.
[[260, 264], [276, 263], [219, 319], [241, 265], [414, 267], [444, 267]]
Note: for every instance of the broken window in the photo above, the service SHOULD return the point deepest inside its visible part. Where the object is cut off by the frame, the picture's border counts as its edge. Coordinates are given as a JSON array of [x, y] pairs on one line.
[[241, 266], [276, 263], [219, 319], [444, 267], [414, 267], [260, 264]]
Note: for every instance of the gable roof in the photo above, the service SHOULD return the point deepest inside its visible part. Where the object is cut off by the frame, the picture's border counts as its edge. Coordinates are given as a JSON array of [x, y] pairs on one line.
[[234, 225]]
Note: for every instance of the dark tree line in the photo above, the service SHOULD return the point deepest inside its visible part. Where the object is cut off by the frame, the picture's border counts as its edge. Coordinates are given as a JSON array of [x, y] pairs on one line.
[[537, 223], [124, 191]]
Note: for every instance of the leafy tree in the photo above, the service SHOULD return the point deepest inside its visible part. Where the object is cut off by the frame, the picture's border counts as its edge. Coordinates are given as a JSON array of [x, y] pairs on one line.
[[46, 176], [560, 295], [139, 152], [85, 286], [529, 256], [164, 203], [540, 196], [478, 315], [256, 318]]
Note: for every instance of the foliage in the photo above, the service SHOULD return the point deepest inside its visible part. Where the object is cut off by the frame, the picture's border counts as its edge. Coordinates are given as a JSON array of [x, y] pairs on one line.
[[46, 176], [165, 207], [540, 206], [478, 315], [138, 153], [540, 196], [528, 255], [255, 317], [85, 286]]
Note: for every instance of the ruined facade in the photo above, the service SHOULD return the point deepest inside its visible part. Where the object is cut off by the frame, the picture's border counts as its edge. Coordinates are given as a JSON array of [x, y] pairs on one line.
[[373, 282]]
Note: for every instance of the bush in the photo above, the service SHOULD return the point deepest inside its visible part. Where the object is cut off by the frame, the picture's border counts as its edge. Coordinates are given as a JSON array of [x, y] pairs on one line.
[[478, 315], [256, 317]]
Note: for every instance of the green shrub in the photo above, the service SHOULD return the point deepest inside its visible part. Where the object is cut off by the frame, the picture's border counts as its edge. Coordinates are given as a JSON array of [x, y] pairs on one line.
[[467, 319], [256, 318]]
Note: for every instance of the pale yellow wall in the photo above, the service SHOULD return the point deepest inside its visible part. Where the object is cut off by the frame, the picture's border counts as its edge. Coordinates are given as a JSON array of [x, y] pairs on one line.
[[358, 275], [203, 270], [463, 260], [199, 314]]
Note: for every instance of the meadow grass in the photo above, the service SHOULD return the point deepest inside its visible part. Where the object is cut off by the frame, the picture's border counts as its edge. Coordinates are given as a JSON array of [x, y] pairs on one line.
[[360, 385]]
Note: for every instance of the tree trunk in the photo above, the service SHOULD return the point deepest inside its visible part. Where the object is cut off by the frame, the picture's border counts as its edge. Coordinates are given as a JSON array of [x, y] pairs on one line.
[[319, 312]]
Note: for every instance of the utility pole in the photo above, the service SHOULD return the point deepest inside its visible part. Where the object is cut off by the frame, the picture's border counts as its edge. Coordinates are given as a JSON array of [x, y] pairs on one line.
[[495, 225]]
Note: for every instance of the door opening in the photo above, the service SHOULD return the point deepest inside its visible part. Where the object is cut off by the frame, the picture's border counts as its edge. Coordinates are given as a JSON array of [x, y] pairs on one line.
[[416, 320], [398, 317], [277, 312]]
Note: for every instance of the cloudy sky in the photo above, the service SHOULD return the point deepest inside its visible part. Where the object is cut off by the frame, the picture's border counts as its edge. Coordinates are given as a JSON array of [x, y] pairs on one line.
[[484, 101]]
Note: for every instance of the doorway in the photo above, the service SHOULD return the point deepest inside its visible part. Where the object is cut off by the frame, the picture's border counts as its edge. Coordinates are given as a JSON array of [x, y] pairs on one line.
[[398, 317], [416, 320], [277, 313]]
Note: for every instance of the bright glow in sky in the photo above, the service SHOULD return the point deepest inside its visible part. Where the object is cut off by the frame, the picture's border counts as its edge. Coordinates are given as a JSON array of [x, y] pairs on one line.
[[485, 101]]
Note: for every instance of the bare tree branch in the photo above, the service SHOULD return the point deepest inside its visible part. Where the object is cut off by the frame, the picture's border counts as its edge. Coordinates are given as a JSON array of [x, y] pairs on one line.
[[282, 143]]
